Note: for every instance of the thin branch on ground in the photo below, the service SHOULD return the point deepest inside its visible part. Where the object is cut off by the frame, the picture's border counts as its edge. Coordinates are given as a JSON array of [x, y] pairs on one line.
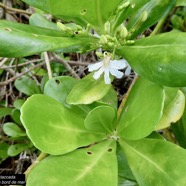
[[78, 63], [4, 60], [9, 9], [23, 64], [47, 61], [21, 74], [66, 65]]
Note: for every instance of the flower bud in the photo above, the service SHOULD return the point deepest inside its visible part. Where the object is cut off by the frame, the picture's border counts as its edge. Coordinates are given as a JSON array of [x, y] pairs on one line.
[[133, 5], [130, 42], [144, 16], [103, 39], [107, 27], [99, 54], [123, 32], [110, 44], [123, 6]]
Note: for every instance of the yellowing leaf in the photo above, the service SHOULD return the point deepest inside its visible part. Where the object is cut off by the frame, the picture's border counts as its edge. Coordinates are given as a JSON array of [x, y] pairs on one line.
[[172, 111]]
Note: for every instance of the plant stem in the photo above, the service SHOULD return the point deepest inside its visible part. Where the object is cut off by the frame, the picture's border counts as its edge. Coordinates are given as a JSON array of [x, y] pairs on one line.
[[125, 97], [40, 157], [14, 9], [158, 26]]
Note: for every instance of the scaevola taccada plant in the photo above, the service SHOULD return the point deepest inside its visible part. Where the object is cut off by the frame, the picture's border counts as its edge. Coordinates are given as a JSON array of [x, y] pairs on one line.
[[90, 140]]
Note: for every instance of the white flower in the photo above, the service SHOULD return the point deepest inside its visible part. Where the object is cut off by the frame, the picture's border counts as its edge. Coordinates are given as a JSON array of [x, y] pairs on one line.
[[108, 66]]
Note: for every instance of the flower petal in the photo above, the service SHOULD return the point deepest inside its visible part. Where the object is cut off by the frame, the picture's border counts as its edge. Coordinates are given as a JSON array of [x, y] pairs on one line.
[[128, 70], [106, 76], [118, 64], [98, 73], [116, 73], [95, 66]]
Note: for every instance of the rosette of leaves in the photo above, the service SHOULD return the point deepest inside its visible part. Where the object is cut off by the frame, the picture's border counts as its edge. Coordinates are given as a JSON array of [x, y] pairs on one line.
[[88, 142], [89, 145]]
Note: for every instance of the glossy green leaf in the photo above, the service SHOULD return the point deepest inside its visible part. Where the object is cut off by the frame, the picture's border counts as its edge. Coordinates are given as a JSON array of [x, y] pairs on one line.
[[14, 26], [179, 132], [18, 103], [125, 182], [156, 135], [3, 150], [88, 90], [96, 13], [179, 128], [18, 41], [160, 58], [180, 3], [39, 20], [173, 110], [119, 17], [59, 87], [111, 98], [156, 162], [13, 130], [27, 86], [124, 171], [54, 129], [94, 166], [101, 119], [16, 149], [141, 113], [16, 116], [155, 9], [5, 112]]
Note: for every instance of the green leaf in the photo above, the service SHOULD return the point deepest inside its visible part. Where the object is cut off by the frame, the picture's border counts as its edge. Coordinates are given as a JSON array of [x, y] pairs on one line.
[[5, 112], [155, 9], [13, 130], [179, 128], [124, 171], [27, 86], [154, 59], [88, 90], [156, 162], [94, 166], [179, 131], [16, 149], [3, 150], [16, 116], [180, 3], [28, 40], [22, 28], [101, 119], [111, 98], [59, 87], [83, 12], [136, 121], [18, 103], [40, 21], [156, 135], [119, 17], [55, 129], [173, 109], [125, 182]]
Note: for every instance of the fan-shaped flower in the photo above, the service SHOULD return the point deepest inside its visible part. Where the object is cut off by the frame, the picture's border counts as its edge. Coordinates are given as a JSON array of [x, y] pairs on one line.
[[108, 67]]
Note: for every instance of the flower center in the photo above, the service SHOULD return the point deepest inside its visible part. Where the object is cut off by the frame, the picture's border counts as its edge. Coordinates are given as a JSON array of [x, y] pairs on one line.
[[106, 61]]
